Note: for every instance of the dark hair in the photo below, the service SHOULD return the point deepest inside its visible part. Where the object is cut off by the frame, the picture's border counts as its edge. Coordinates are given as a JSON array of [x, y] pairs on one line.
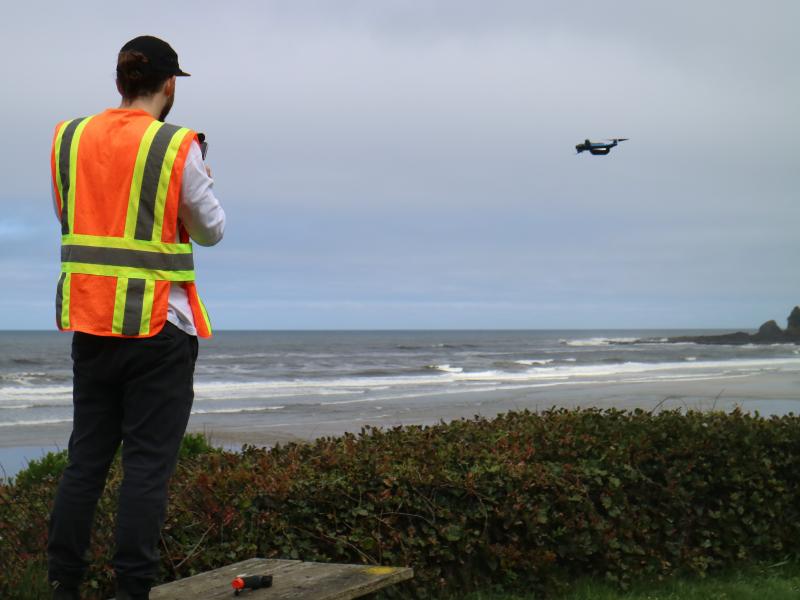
[[135, 75]]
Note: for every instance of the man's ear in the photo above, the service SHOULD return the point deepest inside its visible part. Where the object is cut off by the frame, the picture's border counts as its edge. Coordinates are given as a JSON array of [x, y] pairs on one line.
[[169, 86]]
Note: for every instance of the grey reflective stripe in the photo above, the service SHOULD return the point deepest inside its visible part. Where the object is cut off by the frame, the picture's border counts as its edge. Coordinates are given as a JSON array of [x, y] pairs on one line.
[[60, 297], [121, 257], [145, 218], [63, 168], [134, 302]]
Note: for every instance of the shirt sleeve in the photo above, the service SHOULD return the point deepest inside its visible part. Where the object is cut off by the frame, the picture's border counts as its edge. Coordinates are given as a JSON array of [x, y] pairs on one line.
[[199, 210]]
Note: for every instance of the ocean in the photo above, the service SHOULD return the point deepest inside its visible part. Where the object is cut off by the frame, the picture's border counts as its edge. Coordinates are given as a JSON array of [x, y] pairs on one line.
[[279, 378]]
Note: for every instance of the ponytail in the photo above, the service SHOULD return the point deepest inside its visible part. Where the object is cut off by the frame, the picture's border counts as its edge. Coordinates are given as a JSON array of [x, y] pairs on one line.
[[136, 77]]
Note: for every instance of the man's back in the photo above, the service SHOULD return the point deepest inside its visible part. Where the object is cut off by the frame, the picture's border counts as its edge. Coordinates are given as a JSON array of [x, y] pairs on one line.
[[118, 178], [109, 144]]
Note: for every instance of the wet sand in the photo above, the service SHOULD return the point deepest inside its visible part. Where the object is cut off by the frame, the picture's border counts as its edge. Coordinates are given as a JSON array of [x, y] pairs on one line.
[[767, 394], [774, 393]]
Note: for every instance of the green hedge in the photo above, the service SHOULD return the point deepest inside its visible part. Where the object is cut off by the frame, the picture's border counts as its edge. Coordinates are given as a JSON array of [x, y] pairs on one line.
[[523, 500]]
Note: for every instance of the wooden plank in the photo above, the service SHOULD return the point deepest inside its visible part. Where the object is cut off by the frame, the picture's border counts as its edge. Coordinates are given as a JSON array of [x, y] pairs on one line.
[[331, 581], [217, 583], [292, 580]]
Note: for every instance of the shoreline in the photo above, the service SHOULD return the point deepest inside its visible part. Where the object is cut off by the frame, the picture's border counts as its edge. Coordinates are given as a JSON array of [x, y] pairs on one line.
[[773, 393], [768, 394]]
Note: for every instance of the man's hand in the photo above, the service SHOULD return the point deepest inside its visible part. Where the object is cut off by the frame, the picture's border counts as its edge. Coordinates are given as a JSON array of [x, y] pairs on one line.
[[208, 171]]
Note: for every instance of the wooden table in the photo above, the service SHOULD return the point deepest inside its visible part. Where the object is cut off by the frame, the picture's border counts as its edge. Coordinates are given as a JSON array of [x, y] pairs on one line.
[[292, 579]]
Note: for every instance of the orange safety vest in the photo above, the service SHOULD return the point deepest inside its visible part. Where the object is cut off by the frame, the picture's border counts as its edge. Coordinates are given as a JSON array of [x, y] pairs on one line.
[[117, 180]]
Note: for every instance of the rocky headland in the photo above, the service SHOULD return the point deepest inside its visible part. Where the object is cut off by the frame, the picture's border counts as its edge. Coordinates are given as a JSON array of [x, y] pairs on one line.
[[769, 333]]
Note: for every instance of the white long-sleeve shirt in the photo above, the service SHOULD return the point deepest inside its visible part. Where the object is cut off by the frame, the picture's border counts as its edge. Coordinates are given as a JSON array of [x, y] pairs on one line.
[[201, 214]]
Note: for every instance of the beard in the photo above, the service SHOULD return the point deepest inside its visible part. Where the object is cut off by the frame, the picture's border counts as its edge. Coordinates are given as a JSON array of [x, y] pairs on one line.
[[167, 108]]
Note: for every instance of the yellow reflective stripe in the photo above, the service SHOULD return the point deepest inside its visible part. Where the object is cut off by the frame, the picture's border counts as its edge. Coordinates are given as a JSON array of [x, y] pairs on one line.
[[65, 301], [205, 313], [57, 146], [73, 170], [138, 175], [98, 241], [164, 179], [147, 306], [130, 272], [119, 305]]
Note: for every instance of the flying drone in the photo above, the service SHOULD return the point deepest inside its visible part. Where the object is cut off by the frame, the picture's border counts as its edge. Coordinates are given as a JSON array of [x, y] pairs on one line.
[[598, 148]]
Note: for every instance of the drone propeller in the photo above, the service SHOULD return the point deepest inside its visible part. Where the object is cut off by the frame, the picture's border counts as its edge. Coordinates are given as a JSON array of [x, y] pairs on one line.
[[618, 139]]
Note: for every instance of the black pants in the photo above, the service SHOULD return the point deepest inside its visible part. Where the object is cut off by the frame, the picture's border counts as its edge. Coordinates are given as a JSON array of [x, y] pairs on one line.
[[138, 392]]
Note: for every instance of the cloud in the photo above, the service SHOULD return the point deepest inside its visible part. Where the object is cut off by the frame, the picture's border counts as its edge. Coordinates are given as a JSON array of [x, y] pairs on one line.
[[410, 157]]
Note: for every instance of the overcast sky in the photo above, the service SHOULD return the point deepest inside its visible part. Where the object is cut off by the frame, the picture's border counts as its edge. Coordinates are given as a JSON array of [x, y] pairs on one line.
[[411, 164]]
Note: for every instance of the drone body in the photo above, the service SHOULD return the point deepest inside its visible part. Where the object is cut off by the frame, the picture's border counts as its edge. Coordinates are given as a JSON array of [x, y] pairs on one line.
[[598, 148]]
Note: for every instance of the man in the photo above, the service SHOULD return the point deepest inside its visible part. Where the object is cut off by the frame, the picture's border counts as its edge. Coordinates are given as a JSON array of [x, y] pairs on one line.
[[130, 191]]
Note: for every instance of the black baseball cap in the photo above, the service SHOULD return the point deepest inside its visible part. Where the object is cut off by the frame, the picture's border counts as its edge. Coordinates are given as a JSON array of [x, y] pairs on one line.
[[161, 56]]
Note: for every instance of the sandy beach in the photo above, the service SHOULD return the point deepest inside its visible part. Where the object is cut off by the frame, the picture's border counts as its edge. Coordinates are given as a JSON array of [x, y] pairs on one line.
[[768, 393]]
